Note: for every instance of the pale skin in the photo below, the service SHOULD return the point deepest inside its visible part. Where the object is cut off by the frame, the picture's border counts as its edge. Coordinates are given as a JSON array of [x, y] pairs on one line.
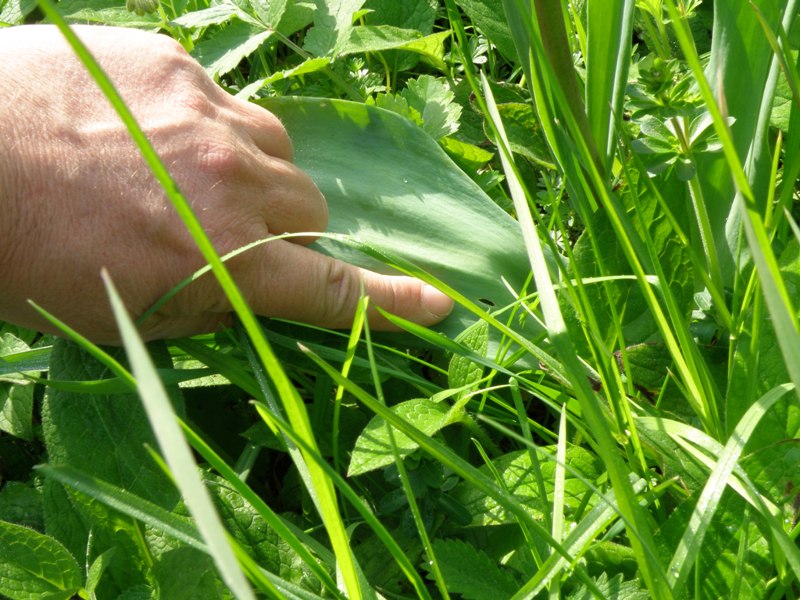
[[76, 197]]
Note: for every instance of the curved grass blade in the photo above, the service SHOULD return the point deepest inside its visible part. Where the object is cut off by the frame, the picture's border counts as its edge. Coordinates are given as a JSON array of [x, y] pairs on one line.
[[176, 451], [690, 544], [293, 404]]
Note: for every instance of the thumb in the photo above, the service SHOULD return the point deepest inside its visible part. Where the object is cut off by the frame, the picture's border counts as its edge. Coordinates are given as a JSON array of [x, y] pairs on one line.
[[294, 282]]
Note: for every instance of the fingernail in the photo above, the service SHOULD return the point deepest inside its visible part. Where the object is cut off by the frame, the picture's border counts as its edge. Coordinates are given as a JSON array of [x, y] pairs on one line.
[[435, 302]]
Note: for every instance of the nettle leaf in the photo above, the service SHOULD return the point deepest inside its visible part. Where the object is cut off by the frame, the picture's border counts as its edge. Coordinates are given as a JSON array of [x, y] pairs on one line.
[[373, 449], [462, 371], [105, 436], [470, 572], [258, 539], [108, 12], [33, 565], [773, 453], [519, 478], [525, 133], [213, 15], [615, 588], [187, 573], [435, 102], [333, 21], [223, 50]]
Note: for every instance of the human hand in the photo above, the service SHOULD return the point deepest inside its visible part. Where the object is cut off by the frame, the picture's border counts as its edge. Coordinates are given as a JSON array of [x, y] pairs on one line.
[[77, 196]]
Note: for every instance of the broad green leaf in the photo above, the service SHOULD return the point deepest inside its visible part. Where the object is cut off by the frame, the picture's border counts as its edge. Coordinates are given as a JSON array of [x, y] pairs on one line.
[[333, 21], [418, 15], [518, 476], [16, 393], [224, 50], [259, 540], [471, 573], [390, 185], [21, 503], [373, 449], [463, 371], [376, 38], [16, 409], [33, 565], [187, 573], [103, 435], [491, 20]]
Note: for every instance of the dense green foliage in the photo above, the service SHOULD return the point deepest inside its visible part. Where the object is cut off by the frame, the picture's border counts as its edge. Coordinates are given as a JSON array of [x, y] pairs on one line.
[[605, 187]]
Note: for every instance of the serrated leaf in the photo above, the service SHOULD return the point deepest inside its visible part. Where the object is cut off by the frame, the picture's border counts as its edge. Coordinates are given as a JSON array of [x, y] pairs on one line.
[[225, 49], [373, 449], [14, 12], [462, 371], [470, 572], [614, 589], [108, 12], [33, 565], [396, 104], [435, 102], [259, 540], [213, 15], [519, 477], [525, 133]]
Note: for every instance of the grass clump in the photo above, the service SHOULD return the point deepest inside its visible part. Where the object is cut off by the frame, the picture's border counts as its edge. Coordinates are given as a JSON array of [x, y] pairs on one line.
[[606, 192]]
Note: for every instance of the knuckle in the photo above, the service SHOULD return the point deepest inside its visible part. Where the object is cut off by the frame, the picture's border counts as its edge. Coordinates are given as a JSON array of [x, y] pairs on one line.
[[343, 290], [218, 159]]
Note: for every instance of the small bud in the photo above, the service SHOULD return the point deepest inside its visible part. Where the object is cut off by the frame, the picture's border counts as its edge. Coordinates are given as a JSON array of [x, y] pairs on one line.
[[142, 7]]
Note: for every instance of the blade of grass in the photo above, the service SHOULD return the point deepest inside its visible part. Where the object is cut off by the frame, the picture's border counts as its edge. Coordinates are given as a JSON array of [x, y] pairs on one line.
[[639, 533], [176, 450], [293, 404], [609, 29], [398, 460], [559, 481], [690, 544], [281, 528]]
